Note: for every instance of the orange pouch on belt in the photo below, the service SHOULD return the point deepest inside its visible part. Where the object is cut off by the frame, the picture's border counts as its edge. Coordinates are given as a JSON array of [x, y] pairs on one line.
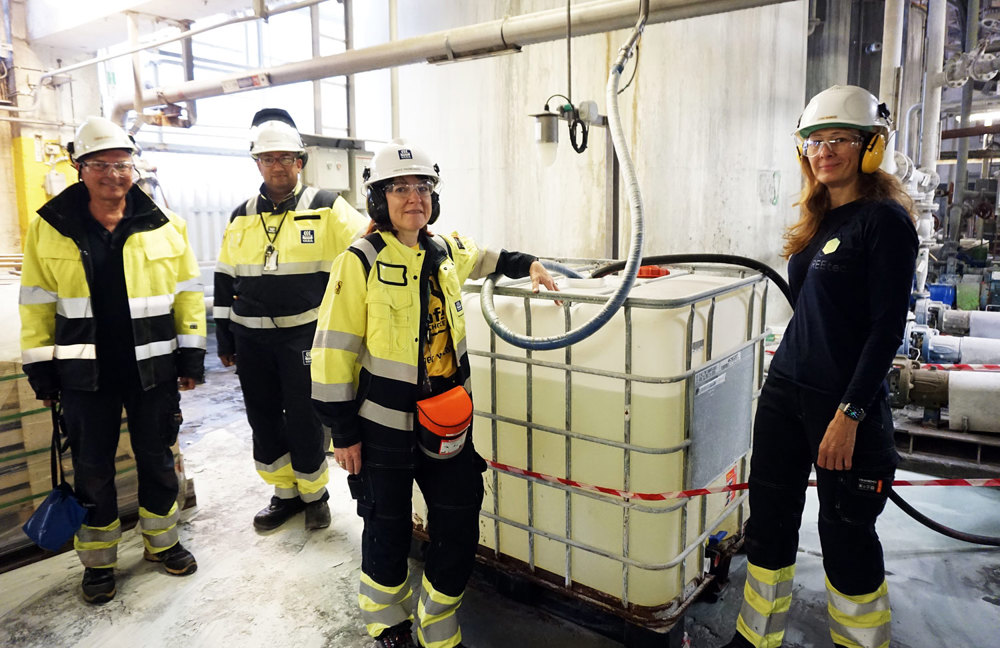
[[446, 414]]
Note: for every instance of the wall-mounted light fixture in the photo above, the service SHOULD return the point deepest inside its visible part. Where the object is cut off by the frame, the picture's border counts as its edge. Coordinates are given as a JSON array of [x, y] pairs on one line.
[[580, 118]]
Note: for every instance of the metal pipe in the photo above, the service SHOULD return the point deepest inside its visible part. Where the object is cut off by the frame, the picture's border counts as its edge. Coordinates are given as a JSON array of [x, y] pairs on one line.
[[317, 85], [930, 143], [394, 72], [509, 33], [892, 71], [962, 167], [352, 125], [971, 131], [132, 20]]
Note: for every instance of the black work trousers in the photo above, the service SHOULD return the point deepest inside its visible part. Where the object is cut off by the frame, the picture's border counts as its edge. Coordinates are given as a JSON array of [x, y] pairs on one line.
[[93, 422], [790, 424], [453, 491], [273, 367]]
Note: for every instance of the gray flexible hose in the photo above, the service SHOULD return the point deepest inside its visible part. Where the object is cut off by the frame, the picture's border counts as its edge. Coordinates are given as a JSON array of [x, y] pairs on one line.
[[635, 208]]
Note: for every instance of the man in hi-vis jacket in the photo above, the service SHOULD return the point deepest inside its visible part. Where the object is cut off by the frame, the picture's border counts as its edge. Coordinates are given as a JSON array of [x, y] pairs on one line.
[[112, 314], [272, 272]]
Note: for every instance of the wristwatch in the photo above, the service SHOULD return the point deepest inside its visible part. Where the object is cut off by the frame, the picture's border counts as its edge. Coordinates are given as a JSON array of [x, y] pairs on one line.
[[852, 411]]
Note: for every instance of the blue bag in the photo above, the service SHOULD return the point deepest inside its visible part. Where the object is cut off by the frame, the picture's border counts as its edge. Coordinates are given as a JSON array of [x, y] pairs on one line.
[[59, 516]]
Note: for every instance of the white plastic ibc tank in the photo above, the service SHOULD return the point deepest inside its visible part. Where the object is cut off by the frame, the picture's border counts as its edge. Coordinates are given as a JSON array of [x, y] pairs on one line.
[[594, 406]]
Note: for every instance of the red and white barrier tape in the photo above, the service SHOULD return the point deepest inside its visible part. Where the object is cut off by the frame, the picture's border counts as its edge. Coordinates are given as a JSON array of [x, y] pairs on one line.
[[684, 494], [961, 367]]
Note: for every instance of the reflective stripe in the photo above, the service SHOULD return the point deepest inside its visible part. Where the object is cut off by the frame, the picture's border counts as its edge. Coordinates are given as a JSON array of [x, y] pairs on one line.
[[75, 352], [191, 285], [861, 621], [312, 486], [366, 248], [225, 268], [106, 534], [36, 295], [191, 341], [306, 199], [383, 607], [326, 339], [220, 312], [460, 349], [767, 597], [279, 463], [438, 627], [391, 369], [38, 354], [153, 522], [158, 541], [386, 416], [98, 546], [284, 493], [74, 307], [284, 321], [293, 268], [336, 393], [154, 306], [486, 263], [153, 349]]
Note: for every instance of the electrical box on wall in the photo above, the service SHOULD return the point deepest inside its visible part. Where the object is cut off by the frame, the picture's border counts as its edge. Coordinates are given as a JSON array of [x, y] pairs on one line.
[[55, 183], [327, 168], [360, 160]]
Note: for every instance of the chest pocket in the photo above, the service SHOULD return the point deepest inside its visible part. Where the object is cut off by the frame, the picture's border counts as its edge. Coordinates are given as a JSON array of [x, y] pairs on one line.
[[152, 260], [62, 258], [390, 319]]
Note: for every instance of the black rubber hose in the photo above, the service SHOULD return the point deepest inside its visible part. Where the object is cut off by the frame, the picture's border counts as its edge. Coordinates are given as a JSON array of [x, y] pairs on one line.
[[730, 259], [782, 285], [940, 528]]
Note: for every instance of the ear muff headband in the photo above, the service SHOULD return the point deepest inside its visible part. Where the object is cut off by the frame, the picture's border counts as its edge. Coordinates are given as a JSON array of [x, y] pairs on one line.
[[871, 158]]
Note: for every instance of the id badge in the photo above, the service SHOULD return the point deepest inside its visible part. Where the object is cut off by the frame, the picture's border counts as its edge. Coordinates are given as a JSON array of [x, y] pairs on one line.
[[270, 259]]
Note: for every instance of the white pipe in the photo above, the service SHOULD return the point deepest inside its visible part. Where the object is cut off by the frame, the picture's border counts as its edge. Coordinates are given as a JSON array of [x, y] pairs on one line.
[[599, 16], [394, 72], [132, 20], [892, 71], [139, 48], [930, 136]]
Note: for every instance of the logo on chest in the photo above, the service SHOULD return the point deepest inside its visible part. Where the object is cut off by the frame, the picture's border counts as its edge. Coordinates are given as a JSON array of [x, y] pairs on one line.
[[307, 236]]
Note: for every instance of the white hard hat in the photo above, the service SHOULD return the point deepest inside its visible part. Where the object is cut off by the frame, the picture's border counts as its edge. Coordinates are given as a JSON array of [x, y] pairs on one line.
[[843, 106], [274, 135], [398, 158], [99, 134]]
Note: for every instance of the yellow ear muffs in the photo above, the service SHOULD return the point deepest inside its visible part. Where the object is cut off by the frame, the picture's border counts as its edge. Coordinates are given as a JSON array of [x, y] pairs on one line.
[[871, 158]]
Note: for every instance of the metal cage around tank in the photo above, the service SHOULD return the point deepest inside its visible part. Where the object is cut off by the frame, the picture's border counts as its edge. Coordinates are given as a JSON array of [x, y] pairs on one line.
[[717, 383]]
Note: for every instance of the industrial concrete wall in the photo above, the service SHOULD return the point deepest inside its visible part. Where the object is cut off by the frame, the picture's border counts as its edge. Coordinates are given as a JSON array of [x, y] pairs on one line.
[[708, 118]]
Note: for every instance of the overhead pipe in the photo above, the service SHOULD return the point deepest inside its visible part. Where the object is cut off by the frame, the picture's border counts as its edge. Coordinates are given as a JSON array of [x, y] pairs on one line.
[[962, 167], [506, 34], [891, 79], [47, 76]]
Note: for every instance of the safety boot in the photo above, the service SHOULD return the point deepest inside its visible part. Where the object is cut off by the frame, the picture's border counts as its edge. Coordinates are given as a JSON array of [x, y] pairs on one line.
[[277, 513], [317, 515], [398, 636], [177, 560], [98, 584]]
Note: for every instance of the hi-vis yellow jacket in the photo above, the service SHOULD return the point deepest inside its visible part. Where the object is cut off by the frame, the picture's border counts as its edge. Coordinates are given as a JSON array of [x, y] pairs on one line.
[[366, 357], [166, 302], [309, 230]]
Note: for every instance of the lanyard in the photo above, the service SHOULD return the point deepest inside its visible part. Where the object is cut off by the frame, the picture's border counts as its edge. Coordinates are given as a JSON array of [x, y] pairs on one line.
[[270, 254]]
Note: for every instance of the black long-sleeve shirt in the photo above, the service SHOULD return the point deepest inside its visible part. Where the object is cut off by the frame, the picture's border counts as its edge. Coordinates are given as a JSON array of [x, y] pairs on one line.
[[851, 288]]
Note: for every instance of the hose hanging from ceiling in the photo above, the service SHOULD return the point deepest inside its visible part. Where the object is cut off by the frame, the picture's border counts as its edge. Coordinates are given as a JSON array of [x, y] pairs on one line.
[[635, 208]]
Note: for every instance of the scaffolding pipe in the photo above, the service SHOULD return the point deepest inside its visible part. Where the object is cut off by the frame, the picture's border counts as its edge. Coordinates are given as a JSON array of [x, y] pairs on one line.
[[506, 34], [891, 77]]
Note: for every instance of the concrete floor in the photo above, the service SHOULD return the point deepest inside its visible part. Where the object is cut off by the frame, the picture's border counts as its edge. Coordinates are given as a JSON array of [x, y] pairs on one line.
[[293, 588]]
